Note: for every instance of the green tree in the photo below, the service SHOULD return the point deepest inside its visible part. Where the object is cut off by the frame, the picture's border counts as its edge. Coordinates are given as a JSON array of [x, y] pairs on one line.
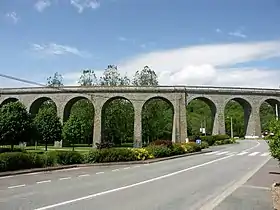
[[111, 77], [48, 126], [55, 81], [145, 77], [15, 124], [74, 130], [88, 78]]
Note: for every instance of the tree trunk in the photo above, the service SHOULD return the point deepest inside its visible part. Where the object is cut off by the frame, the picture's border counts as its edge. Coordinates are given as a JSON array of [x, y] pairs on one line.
[[12, 147], [46, 146]]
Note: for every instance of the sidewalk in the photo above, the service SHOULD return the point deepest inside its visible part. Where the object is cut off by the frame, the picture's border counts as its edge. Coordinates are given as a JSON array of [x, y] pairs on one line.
[[255, 194]]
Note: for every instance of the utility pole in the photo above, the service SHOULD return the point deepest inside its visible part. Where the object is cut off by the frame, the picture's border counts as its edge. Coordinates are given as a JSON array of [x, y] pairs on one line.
[[276, 111], [231, 128]]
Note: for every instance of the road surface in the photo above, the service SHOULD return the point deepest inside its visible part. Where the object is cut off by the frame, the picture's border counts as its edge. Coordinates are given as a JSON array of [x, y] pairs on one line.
[[195, 182]]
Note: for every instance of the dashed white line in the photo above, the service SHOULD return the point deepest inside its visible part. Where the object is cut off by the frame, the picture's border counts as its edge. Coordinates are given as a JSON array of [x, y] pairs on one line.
[[211, 153], [65, 178], [265, 154], [115, 170], [126, 168], [101, 172], [45, 181], [17, 186], [254, 153], [222, 153], [6, 177], [242, 153], [83, 175], [136, 167]]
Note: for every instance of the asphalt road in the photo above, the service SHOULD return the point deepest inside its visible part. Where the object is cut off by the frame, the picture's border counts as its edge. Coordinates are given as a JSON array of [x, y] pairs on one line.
[[195, 182]]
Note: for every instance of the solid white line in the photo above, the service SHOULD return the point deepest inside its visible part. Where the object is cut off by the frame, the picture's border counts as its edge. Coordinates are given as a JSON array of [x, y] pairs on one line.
[[115, 170], [265, 154], [254, 154], [126, 168], [215, 202], [6, 177], [16, 186], [83, 175], [101, 172], [222, 153], [65, 178], [242, 153], [132, 185], [45, 181]]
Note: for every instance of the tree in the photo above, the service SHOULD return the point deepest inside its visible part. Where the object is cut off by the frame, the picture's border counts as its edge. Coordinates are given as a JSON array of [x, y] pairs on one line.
[[146, 77], [88, 78], [74, 130], [55, 81], [111, 76], [15, 124], [48, 126]]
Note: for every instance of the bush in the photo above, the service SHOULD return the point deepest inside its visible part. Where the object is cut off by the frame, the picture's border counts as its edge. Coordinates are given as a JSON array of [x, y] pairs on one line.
[[221, 137], [66, 157], [191, 147], [166, 143], [159, 151], [209, 139], [18, 160], [177, 149], [274, 142], [104, 145], [204, 145]]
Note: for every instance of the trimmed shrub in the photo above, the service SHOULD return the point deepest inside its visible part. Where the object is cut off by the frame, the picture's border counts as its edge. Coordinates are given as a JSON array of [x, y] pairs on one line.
[[104, 145], [177, 149], [66, 157], [191, 147], [204, 145], [8, 149], [18, 160], [221, 137], [209, 139], [159, 151], [166, 143]]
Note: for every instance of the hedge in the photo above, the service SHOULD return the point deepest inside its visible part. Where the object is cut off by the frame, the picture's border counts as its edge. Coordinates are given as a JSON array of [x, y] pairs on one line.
[[24, 160]]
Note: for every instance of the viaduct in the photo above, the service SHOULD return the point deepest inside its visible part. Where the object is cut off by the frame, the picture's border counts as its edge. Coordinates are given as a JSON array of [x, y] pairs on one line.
[[177, 96]]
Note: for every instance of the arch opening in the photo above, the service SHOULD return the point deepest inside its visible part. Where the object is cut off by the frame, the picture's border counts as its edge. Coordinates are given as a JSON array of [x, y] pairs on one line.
[[201, 113], [42, 103], [117, 124], [237, 112], [8, 100], [80, 109], [157, 120], [269, 110]]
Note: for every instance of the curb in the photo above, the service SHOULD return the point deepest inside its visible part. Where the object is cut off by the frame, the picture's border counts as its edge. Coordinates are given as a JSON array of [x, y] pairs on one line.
[[55, 168]]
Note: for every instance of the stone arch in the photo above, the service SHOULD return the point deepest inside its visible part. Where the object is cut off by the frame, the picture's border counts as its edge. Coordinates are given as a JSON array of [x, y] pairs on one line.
[[8, 100], [149, 133], [247, 109], [118, 132], [204, 122], [68, 106], [269, 109], [38, 102]]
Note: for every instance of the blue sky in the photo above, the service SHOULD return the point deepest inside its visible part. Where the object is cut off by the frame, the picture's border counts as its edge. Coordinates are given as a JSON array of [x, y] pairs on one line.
[[201, 42]]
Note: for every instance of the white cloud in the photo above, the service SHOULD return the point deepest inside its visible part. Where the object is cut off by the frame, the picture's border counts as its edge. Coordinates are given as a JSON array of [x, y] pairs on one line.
[[13, 16], [218, 30], [210, 64], [238, 34], [41, 5], [83, 4], [57, 49], [121, 38]]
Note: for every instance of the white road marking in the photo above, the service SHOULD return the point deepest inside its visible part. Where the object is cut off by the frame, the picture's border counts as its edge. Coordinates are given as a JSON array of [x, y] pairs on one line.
[[242, 153], [254, 154], [126, 168], [265, 154], [65, 178], [115, 170], [132, 185], [258, 144], [222, 153], [83, 175], [136, 167], [211, 153], [6, 177], [17, 186], [101, 172], [45, 181]]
